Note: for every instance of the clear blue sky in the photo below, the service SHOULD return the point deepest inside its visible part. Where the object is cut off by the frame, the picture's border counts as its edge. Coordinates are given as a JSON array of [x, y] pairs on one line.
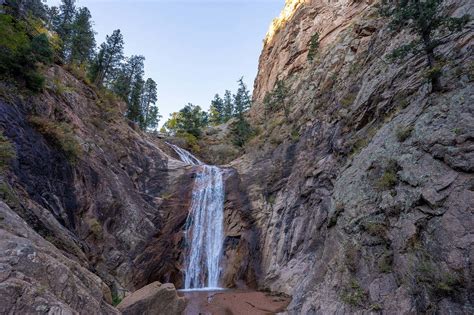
[[193, 48]]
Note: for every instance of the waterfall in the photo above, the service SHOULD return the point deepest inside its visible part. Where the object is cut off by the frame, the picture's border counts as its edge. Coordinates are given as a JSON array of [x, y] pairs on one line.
[[204, 226]]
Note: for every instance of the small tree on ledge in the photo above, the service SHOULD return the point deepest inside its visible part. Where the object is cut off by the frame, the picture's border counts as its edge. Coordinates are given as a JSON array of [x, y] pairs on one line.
[[427, 20]]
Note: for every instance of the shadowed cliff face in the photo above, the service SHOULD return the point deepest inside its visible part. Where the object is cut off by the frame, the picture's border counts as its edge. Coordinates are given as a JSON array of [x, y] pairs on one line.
[[94, 189], [363, 195]]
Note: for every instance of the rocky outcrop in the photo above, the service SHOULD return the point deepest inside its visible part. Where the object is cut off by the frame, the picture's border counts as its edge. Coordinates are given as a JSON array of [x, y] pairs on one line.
[[363, 194], [153, 299], [36, 278]]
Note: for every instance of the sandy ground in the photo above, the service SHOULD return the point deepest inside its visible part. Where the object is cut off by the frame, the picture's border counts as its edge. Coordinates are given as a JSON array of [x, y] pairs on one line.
[[234, 302]]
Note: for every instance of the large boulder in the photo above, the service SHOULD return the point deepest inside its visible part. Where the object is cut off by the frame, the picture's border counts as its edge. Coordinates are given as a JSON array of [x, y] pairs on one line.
[[153, 299]]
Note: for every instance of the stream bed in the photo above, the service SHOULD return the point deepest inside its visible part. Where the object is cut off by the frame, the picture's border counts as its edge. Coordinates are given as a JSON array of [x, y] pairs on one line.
[[234, 302]]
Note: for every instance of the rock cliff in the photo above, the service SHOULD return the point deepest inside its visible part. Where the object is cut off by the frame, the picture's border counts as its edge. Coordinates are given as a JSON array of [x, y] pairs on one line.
[[363, 195]]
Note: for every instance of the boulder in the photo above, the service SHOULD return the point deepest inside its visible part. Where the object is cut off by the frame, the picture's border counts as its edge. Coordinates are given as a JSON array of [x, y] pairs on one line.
[[153, 299]]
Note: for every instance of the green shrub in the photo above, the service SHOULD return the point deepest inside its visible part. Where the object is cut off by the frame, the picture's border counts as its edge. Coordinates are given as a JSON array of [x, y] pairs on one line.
[[60, 135], [389, 177], [428, 275], [313, 46], [403, 133], [7, 152], [385, 263], [8, 195], [116, 299], [353, 294], [375, 228], [347, 100], [95, 227]]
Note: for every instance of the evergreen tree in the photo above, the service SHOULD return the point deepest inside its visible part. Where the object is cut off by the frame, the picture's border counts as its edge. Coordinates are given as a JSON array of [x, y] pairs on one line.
[[83, 41], [22, 8], [241, 129], [134, 106], [426, 19], [242, 101], [228, 106], [151, 115], [108, 59], [217, 110], [128, 73], [64, 25], [276, 100]]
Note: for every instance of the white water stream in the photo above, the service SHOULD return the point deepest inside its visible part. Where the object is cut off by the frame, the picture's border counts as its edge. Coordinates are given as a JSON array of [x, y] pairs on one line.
[[204, 226]]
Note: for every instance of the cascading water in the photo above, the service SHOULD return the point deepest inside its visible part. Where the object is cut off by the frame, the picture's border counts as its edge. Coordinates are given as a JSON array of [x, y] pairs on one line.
[[204, 225]]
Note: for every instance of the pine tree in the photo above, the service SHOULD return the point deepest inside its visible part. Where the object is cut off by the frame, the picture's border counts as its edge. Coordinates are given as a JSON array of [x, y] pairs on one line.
[[228, 106], [83, 41], [427, 20], [217, 110], [128, 73], [22, 8], [150, 116], [242, 101], [108, 59], [134, 107], [241, 129], [64, 26]]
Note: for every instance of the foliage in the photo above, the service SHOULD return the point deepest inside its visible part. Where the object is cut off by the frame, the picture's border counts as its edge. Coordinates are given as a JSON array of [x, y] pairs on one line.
[[82, 38], [108, 60], [191, 119], [242, 99], [353, 294], [7, 152], [7, 194], [216, 111], [276, 99], [241, 131], [21, 8], [95, 227], [21, 52], [228, 106], [313, 46], [60, 135], [389, 177], [427, 20], [385, 263], [116, 300], [150, 115], [403, 133]]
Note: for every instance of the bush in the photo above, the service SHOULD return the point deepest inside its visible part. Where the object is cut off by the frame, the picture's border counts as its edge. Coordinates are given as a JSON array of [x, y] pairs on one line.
[[95, 228], [313, 46], [353, 294], [60, 135], [7, 152], [404, 133], [389, 177]]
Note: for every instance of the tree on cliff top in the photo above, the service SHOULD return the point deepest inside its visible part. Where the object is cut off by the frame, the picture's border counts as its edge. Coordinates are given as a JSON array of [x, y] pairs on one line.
[[427, 20]]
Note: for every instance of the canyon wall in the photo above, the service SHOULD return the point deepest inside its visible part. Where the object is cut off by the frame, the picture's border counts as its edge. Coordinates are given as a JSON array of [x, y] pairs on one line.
[[363, 194]]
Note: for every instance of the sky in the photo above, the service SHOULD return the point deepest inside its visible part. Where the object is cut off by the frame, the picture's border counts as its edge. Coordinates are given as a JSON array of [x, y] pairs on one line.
[[193, 48]]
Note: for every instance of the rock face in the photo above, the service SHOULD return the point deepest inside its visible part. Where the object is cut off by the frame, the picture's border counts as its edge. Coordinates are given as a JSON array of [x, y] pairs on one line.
[[363, 196], [36, 278], [153, 299]]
